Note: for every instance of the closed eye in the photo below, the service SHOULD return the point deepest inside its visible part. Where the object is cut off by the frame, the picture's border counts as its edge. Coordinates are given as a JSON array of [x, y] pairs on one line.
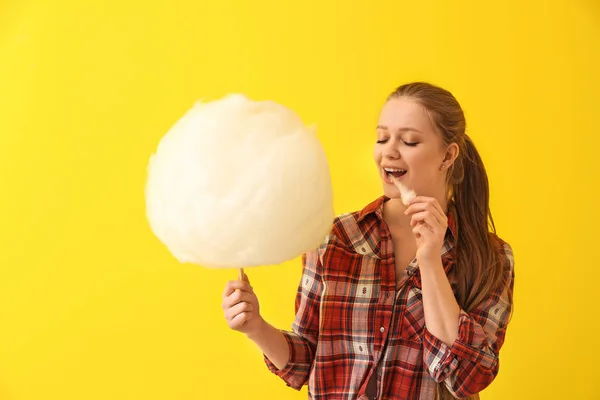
[[411, 144]]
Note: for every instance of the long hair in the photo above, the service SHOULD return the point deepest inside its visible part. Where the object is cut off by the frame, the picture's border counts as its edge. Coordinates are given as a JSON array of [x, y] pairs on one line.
[[478, 270]]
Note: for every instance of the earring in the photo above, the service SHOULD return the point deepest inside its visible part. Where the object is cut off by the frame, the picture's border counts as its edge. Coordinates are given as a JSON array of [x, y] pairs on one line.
[[442, 167]]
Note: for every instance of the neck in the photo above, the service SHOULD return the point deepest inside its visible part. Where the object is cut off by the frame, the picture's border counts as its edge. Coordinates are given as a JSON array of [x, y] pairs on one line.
[[393, 215]]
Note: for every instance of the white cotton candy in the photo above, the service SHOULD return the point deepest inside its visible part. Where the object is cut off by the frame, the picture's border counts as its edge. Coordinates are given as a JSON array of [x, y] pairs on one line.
[[238, 183], [406, 194]]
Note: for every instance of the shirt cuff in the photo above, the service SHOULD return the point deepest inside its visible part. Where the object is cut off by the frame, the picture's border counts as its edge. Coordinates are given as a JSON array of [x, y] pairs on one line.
[[470, 345], [295, 373]]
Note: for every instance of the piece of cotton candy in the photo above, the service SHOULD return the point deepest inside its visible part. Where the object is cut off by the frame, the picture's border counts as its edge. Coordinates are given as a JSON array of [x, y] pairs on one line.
[[238, 183], [406, 194]]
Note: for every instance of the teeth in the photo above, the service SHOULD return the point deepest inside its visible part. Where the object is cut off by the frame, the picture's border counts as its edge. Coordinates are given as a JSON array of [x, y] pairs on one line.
[[393, 170]]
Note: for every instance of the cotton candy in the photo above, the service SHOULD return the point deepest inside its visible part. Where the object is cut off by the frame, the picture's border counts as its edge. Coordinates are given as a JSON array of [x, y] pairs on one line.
[[238, 183], [406, 194]]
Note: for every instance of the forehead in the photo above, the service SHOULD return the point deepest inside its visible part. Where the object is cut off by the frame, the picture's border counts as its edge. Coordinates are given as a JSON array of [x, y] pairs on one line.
[[402, 112]]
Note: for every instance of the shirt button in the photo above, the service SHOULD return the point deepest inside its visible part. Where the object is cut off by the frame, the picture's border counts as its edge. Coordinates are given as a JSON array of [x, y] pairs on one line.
[[382, 329]]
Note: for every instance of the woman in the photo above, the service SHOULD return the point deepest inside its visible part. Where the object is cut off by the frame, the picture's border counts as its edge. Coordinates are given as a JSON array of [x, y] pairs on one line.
[[400, 301]]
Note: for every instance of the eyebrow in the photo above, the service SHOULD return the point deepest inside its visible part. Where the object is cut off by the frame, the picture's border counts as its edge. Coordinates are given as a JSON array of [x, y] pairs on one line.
[[403, 129]]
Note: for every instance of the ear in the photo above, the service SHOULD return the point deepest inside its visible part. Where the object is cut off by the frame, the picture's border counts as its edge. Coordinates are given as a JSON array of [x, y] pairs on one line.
[[451, 153]]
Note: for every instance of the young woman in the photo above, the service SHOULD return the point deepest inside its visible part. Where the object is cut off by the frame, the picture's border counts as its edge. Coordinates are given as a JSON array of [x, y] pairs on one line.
[[400, 301]]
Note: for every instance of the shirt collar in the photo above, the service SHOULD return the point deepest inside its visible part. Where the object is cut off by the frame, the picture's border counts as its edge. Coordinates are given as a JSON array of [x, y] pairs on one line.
[[376, 208]]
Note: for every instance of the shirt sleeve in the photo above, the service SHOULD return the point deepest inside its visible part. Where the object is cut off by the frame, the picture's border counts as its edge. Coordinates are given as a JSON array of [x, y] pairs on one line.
[[302, 340], [472, 362]]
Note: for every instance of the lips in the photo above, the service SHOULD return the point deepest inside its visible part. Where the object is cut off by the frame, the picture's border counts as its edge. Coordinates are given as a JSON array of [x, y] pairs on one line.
[[395, 172]]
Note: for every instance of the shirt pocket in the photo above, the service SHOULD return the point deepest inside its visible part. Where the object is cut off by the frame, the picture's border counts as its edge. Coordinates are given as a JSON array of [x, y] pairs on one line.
[[413, 317], [349, 295]]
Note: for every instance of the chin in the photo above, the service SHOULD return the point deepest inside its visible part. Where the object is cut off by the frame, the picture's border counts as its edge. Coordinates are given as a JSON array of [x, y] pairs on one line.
[[392, 193]]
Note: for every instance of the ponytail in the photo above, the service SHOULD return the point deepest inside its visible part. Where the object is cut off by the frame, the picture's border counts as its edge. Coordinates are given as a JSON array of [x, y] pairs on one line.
[[477, 268]]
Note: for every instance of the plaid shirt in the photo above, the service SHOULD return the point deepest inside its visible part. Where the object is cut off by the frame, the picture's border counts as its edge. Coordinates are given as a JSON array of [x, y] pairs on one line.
[[352, 321]]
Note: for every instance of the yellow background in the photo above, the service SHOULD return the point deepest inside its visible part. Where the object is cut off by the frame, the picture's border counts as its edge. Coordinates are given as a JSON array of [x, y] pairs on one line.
[[92, 306]]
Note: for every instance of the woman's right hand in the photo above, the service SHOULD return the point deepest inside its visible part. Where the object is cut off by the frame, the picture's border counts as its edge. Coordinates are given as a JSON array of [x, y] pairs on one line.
[[242, 314], [241, 308]]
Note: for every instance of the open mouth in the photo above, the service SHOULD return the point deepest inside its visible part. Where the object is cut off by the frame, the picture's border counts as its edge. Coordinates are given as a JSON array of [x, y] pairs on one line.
[[394, 172]]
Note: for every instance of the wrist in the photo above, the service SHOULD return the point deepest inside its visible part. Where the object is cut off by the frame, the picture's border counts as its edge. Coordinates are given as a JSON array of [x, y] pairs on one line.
[[430, 261], [259, 331]]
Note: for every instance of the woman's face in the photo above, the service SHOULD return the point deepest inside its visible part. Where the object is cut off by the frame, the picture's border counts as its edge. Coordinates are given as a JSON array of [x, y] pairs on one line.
[[410, 148]]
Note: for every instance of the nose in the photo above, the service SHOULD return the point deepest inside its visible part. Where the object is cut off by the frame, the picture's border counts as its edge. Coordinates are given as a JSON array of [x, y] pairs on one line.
[[390, 151]]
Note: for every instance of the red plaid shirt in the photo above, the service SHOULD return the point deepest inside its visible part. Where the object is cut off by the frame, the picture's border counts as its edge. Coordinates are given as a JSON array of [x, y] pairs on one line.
[[351, 321]]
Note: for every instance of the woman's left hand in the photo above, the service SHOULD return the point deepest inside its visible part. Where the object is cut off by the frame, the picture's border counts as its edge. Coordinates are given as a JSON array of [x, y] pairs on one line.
[[429, 223]]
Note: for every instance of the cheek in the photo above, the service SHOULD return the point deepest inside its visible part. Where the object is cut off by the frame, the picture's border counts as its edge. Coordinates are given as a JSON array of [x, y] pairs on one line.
[[422, 161], [376, 155]]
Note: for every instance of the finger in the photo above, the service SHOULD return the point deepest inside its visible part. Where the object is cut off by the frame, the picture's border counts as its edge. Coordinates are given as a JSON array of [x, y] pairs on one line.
[[237, 297], [422, 230], [239, 320], [426, 203], [420, 206], [239, 308], [232, 286], [426, 228], [417, 218], [435, 204], [426, 217], [440, 220], [417, 231]]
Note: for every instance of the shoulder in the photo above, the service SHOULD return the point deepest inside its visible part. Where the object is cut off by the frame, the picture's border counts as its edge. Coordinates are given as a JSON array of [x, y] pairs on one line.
[[347, 231], [357, 231], [503, 248], [505, 256], [346, 227]]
